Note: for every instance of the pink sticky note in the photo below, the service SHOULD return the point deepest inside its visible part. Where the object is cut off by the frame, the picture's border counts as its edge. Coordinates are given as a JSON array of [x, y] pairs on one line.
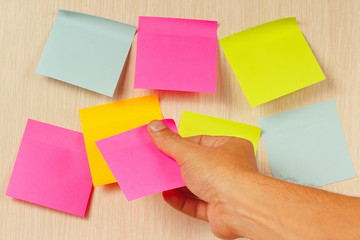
[[51, 169], [138, 166], [176, 54]]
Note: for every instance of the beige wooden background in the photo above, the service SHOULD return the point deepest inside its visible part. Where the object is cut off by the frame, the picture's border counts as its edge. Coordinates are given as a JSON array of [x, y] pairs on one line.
[[330, 27]]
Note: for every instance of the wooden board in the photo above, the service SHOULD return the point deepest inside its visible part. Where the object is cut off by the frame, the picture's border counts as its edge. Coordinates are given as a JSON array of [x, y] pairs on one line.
[[330, 27]]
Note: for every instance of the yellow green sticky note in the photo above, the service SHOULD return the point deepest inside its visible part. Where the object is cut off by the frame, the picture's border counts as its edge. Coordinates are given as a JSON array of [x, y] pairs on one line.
[[271, 60], [193, 124], [109, 119]]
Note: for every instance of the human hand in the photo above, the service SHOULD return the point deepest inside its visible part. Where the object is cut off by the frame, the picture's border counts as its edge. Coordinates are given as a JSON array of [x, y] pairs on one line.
[[213, 168], [225, 189]]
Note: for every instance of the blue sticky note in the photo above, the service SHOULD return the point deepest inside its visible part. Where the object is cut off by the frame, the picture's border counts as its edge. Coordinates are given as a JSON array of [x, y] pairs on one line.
[[86, 51], [307, 145]]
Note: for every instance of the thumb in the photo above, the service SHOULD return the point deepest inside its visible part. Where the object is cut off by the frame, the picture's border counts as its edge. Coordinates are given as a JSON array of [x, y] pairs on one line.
[[170, 143]]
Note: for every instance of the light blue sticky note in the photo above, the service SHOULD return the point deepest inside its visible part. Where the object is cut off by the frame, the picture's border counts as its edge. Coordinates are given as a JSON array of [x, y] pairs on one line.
[[307, 145], [86, 51]]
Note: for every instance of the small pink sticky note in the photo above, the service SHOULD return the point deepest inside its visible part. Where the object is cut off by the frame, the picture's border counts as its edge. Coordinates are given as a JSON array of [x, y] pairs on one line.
[[176, 54], [138, 166], [51, 169]]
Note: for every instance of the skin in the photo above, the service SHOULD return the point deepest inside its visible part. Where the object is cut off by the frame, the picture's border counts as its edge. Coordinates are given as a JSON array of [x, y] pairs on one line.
[[224, 188]]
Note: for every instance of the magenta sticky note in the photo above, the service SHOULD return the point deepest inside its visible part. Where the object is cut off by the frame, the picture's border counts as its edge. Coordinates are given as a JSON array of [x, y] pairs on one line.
[[176, 54], [138, 166], [51, 169]]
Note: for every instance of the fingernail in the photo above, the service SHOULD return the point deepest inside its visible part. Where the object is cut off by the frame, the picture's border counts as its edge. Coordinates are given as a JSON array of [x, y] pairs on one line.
[[156, 125]]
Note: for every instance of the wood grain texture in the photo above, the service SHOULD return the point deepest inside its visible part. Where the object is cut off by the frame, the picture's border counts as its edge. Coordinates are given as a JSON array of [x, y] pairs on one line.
[[331, 28]]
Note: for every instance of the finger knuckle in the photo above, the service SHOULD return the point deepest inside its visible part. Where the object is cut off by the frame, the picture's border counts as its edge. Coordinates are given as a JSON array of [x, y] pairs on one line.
[[171, 139]]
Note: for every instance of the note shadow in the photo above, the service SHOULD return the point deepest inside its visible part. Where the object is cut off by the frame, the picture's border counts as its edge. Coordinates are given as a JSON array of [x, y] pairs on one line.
[[121, 82], [44, 208]]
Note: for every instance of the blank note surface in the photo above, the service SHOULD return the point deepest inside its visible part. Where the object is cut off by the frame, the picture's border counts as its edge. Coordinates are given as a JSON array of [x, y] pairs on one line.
[[176, 54], [86, 51], [271, 60], [51, 169], [307, 145]]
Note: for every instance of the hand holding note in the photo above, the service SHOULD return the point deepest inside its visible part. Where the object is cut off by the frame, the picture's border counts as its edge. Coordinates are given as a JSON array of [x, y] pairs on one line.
[[209, 165], [138, 166], [225, 189]]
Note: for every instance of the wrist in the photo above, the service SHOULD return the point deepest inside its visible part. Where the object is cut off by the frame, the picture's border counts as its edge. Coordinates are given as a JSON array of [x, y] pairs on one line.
[[248, 216]]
